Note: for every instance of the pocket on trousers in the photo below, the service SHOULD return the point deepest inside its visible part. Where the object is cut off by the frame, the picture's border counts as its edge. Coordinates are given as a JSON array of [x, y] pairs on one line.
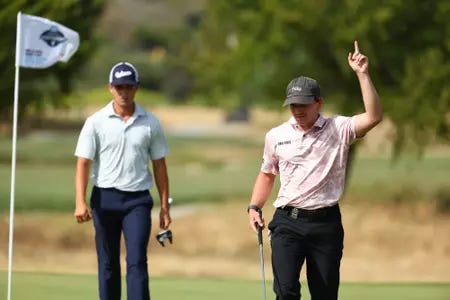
[[137, 199], [274, 223], [106, 199]]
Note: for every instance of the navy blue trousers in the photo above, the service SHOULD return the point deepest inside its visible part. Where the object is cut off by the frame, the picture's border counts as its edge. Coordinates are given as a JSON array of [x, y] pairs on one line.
[[114, 212], [318, 240]]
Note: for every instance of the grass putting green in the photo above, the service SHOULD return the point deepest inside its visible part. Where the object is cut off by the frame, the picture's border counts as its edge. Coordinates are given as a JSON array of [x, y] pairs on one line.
[[74, 287]]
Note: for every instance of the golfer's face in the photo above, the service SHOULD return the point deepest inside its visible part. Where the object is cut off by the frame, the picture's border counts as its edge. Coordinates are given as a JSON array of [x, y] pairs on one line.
[[123, 94], [306, 114]]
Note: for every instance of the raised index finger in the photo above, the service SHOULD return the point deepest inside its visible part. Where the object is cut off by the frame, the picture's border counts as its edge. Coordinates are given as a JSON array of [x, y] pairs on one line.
[[356, 47]]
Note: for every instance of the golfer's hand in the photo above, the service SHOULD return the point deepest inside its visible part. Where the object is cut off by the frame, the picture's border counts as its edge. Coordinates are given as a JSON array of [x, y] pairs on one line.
[[164, 218], [254, 219], [358, 61], [82, 213]]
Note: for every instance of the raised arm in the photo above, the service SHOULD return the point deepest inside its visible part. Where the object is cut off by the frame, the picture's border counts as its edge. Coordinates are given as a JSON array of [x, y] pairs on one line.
[[373, 112]]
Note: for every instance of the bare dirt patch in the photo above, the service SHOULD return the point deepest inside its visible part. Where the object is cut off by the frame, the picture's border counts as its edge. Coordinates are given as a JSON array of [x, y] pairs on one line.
[[383, 243]]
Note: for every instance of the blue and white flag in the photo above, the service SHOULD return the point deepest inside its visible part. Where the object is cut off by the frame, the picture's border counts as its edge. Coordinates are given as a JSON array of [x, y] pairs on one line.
[[44, 42]]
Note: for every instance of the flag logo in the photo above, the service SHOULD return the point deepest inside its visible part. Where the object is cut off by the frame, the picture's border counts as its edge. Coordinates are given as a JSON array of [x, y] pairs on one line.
[[43, 42], [53, 37]]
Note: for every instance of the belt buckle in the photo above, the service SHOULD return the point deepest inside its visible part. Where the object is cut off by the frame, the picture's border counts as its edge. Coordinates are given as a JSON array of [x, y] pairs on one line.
[[294, 213]]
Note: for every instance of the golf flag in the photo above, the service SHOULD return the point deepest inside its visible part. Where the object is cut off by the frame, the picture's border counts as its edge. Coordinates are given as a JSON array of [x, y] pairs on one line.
[[44, 42], [40, 43]]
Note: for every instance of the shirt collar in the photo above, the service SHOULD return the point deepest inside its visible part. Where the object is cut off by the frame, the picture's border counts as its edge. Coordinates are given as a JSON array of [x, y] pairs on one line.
[[138, 111], [319, 122]]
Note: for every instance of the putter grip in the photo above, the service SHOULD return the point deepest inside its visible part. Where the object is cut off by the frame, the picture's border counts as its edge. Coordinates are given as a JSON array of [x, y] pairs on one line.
[[260, 238]]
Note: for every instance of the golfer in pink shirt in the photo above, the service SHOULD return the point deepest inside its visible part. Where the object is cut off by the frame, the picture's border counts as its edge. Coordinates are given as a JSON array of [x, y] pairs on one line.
[[309, 152]]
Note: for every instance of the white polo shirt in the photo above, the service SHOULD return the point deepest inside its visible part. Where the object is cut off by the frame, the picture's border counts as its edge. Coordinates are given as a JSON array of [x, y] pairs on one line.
[[121, 150], [311, 165]]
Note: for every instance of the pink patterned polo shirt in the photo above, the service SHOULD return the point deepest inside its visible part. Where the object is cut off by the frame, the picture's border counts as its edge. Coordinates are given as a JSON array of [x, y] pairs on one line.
[[312, 164]]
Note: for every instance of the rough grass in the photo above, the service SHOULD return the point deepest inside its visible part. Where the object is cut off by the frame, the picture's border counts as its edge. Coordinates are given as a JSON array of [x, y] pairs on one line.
[[211, 168], [408, 180], [383, 243]]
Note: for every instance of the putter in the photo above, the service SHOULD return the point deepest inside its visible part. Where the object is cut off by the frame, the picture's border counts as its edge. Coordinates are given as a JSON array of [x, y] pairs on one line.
[[261, 256], [165, 234]]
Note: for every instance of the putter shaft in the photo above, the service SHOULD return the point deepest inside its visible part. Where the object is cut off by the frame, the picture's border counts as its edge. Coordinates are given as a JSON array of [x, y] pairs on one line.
[[261, 255]]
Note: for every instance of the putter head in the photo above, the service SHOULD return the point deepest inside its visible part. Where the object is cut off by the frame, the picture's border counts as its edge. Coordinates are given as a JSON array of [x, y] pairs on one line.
[[161, 236]]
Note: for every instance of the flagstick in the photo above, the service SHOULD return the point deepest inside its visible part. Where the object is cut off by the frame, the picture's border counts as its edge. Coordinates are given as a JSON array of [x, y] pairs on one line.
[[50, 58], [13, 157]]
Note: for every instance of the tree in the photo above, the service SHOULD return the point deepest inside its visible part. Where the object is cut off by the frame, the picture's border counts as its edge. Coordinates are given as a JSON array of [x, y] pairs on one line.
[[51, 83], [254, 48]]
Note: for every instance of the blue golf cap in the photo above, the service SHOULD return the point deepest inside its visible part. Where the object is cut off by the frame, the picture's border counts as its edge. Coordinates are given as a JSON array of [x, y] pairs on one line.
[[123, 73]]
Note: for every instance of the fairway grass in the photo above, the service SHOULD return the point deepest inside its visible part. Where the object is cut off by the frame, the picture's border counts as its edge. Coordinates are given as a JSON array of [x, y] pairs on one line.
[[74, 287], [209, 169]]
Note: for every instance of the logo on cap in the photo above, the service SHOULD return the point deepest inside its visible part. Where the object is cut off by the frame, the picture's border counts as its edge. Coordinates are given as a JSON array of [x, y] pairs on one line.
[[302, 90], [122, 74]]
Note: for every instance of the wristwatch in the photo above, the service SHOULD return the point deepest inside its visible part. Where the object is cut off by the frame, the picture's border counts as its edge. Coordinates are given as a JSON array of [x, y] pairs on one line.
[[255, 207]]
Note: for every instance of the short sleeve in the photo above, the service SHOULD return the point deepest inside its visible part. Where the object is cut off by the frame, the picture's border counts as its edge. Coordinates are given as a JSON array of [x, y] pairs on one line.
[[346, 128], [158, 144], [270, 160], [86, 146]]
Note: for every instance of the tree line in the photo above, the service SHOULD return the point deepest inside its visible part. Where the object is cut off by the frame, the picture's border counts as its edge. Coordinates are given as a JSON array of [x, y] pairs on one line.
[[241, 53]]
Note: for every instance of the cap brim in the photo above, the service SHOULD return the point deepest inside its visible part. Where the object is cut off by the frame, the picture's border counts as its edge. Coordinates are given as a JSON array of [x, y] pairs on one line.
[[299, 100], [124, 82]]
